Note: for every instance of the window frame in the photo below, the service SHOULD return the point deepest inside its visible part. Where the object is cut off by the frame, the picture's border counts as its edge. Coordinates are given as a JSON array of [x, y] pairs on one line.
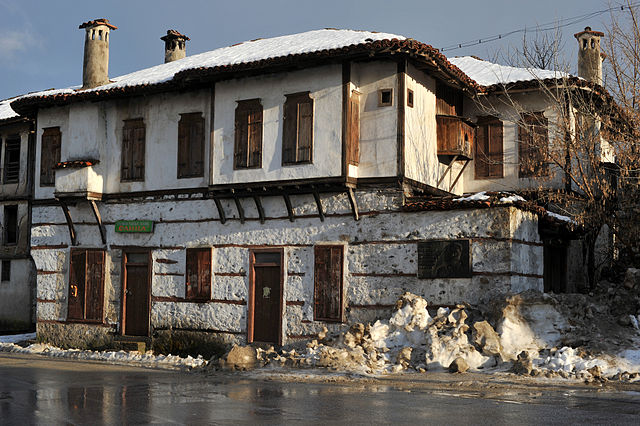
[[490, 122], [52, 137], [16, 140], [243, 115], [88, 287], [201, 293], [131, 125], [381, 93], [6, 226], [318, 316], [292, 129], [188, 167]]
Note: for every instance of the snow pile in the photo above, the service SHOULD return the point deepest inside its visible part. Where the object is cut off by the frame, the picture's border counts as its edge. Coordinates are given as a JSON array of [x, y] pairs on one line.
[[15, 338], [511, 199], [147, 359], [488, 73], [559, 217], [478, 196]]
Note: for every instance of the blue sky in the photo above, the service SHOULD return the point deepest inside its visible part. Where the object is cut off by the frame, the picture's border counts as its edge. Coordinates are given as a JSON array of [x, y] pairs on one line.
[[41, 45]]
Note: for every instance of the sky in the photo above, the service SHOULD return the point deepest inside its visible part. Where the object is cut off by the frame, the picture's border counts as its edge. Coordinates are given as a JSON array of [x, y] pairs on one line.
[[41, 46]]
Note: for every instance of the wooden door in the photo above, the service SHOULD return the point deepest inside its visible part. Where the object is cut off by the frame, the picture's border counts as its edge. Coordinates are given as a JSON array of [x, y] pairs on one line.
[[266, 318], [555, 268], [136, 298]]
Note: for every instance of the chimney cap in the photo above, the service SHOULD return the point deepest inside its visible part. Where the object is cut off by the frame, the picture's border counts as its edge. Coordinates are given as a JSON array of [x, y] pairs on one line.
[[96, 22], [588, 30], [173, 34]]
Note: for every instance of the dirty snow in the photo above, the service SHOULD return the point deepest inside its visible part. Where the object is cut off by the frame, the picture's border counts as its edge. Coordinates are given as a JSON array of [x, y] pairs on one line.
[[559, 216], [511, 199], [246, 52], [478, 196], [488, 73], [6, 111], [147, 359], [15, 338]]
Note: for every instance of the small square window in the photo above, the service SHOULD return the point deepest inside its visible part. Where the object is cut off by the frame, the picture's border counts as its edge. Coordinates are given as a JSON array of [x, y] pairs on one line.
[[6, 270], [410, 98], [385, 97]]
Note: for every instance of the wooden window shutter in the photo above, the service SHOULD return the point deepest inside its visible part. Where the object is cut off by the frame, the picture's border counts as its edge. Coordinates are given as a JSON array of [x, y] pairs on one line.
[[496, 157], [94, 288], [12, 159], [297, 140], [49, 155], [489, 150], [353, 130], [328, 297], [482, 151], [248, 134], [255, 138], [191, 145], [198, 284], [133, 150], [241, 138], [533, 144], [75, 309], [192, 274]]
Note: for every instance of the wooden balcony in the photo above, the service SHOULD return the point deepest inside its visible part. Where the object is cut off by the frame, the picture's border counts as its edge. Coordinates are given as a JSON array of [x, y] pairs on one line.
[[78, 179], [456, 136]]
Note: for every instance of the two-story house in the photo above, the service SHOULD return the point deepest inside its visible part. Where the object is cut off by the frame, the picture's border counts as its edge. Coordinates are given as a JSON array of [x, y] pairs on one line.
[[17, 272], [258, 192]]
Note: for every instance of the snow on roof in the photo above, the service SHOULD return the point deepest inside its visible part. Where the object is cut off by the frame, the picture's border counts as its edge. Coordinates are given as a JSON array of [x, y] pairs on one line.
[[6, 112], [488, 73], [248, 51]]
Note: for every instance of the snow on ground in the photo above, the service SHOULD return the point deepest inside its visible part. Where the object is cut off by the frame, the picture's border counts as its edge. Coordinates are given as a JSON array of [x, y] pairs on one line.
[[147, 359], [15, 338], [488, 73]]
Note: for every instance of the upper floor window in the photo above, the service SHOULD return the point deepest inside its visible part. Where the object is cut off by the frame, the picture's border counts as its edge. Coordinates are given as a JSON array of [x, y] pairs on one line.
[[489, 159], [133, 137], [191, 145], [297, 139], [533, 143], [248, 135], [49, 155], [10, 223], [11, 159]]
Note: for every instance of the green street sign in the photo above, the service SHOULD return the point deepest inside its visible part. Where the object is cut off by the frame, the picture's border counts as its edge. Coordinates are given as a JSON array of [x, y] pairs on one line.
[[134, 226]]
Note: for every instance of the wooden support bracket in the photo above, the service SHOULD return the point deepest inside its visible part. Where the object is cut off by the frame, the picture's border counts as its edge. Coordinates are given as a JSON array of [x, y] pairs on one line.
[[239, 207], [455, 158], [96, 214], [67, 216], [354, 204], [256, 199], [287, 202], [466, 163], [316, 196], [223, 217]]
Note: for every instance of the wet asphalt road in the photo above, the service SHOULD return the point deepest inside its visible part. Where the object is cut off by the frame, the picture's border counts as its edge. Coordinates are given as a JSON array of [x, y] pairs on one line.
[[35, 390]]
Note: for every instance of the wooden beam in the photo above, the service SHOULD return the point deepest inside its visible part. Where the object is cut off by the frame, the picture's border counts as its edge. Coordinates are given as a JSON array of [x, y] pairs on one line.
[[239, 207], [223, 217], [287, 202], [402, 87], [316, 196], [256, 199], [466, 163], [354, 204], [67, 216], [446, 171], [96, 214]]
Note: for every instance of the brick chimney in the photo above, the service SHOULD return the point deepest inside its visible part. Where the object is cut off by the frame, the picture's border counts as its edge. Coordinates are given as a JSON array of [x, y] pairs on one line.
[[590, 56], [95, 68], [174, 46]]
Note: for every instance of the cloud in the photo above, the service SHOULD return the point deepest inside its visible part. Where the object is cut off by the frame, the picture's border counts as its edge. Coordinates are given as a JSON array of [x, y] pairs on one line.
[[13, 43]]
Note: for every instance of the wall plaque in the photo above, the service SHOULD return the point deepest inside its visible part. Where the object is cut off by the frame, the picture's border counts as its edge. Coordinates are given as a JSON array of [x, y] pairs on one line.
[[134, 226], [444, 259]]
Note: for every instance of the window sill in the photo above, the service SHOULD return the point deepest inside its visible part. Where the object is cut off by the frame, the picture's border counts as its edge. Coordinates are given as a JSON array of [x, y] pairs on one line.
[[191, 176], [297, 163]]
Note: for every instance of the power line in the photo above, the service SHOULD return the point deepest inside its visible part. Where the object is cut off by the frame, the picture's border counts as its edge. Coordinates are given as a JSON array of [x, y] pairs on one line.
[[549, 26]]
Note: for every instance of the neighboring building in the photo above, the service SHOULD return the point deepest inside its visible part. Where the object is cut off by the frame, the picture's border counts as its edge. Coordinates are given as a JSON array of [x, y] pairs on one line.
[[261, 191], [17, 272]]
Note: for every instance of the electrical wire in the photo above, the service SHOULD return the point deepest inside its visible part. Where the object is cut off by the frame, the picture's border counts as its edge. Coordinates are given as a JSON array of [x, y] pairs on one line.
[[549, 26]]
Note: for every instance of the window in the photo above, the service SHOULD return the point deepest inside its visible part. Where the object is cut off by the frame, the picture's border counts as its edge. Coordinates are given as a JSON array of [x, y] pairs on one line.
[[410, 98], [198, 282], [385, 97], [10, 225], [11, 159], [248, 135], [353, 129], [444, 259], [191, 145], [133, 136], [329, 265], [488, 158], [449, 100], [86, 285], [6, 270], [297, 140], [533, 144], [49, 155]]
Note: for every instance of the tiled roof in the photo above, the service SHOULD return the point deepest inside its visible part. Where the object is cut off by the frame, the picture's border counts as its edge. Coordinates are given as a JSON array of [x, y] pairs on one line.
[[101, 21], [173, 34]]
